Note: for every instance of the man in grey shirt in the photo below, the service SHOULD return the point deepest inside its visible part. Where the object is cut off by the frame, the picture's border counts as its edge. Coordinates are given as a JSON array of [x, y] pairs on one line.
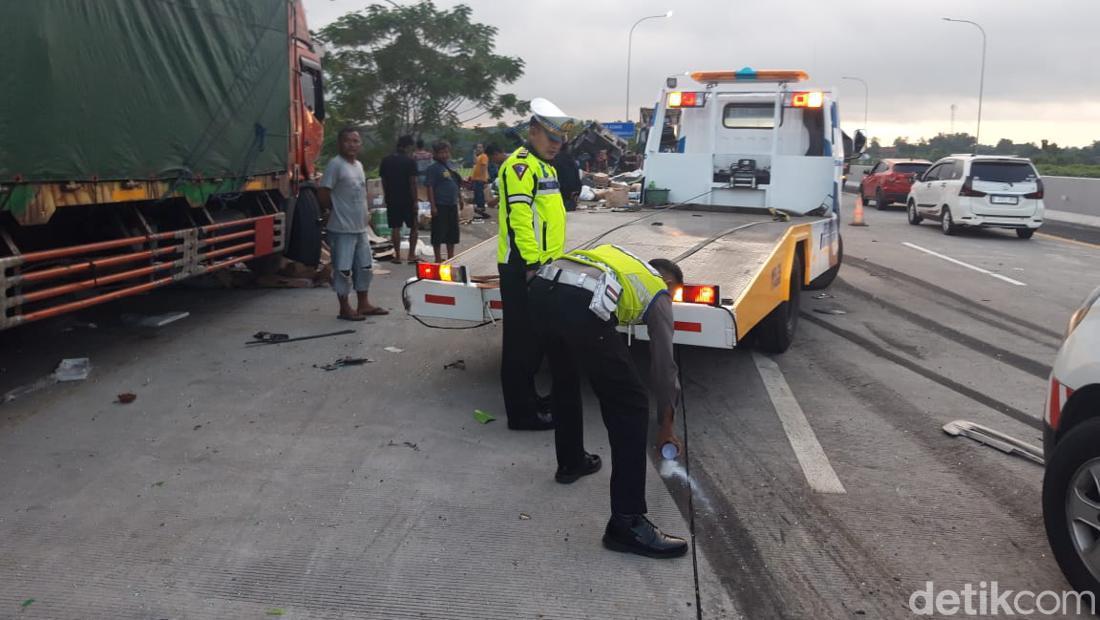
[[343, 196]]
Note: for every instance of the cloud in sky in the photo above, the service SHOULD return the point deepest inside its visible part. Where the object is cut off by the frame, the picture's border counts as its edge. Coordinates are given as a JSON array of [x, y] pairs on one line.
[[1042, 69]]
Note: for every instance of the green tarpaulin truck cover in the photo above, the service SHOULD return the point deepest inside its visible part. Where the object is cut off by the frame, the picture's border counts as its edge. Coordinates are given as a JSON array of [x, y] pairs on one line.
[[143, 89]]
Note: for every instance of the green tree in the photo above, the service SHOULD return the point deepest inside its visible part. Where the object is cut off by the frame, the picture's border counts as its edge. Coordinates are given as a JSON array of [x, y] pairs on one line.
[[415, 69]]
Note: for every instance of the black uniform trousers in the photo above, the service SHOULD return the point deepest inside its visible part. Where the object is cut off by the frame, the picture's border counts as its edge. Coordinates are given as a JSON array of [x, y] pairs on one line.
[[521, 352], [577, 341]]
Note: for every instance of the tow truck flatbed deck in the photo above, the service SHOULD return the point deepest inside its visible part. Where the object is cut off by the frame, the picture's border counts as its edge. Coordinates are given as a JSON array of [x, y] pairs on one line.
[[729, 261], [737, 251]]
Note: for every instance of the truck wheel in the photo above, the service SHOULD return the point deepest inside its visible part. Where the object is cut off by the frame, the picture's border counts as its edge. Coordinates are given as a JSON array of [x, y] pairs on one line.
[[1071, 505], [776, 332], [825, 279]]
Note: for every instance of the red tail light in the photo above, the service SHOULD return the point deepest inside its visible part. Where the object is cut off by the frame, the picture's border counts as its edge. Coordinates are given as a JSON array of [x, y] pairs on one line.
[[440, 271], [812, 99], [705, 294], [968, 189], [1038, 193]]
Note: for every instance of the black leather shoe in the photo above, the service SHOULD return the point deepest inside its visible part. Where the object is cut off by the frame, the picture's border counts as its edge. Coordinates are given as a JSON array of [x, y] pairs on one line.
[[590, 465], [540, 422], [636, 534]]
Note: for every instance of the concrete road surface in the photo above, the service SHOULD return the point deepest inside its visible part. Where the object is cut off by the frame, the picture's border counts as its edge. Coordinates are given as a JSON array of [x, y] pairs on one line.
[[245, 482]]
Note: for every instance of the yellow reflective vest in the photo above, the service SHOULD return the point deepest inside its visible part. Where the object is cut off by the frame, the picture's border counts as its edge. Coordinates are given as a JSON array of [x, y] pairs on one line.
[[532, 212], [641, 282]]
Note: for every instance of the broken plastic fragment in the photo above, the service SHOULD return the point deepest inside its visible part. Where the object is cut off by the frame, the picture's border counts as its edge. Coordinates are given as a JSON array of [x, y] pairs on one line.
[[394, 350], [482, 416], [127, 397], [73, 369]]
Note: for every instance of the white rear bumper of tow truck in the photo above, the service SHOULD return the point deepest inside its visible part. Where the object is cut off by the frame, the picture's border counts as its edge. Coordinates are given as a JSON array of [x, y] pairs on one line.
[[696, 325]]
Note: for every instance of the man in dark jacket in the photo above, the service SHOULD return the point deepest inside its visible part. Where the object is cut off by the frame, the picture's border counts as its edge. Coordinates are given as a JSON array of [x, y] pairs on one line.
[[569, 177]]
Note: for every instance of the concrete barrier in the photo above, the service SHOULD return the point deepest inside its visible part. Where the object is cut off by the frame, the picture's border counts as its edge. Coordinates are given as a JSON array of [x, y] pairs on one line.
[[1072, 194]]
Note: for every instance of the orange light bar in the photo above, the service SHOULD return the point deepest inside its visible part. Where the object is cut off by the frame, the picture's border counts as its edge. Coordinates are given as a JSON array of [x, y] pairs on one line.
[[704, 294], [749, 75], [811, 99], [440, 271]]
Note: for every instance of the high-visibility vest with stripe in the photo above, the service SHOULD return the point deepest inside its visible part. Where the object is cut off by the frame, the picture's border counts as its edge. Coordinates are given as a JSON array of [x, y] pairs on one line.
[[532, 212], [641, 282]]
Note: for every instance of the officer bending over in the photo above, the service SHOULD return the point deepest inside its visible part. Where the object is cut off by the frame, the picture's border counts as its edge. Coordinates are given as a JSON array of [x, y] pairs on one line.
[[576, 303]]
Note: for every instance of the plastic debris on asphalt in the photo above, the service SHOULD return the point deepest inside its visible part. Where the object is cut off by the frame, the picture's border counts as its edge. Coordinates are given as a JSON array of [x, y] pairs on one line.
[[73, 369], [457, 365], [394, 350], [126, 398], [832, 311], [345, 361], [482, 416]]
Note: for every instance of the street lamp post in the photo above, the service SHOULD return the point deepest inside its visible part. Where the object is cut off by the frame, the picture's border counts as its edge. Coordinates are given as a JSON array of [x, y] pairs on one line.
[[866, 98], [629, 43], [981, 79]]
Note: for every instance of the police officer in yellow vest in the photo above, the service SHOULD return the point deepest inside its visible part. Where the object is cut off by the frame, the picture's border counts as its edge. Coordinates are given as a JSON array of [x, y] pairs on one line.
[[576, 303], [532, 233]]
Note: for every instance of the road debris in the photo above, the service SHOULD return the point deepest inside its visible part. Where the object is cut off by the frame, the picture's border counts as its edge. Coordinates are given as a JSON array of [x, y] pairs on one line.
[[270, 337], [523, 516], [73, 369], [457, 365], [126, 398], [994, 439], [482, 416], [394, 350], [300, 338], [824, 296], [156, 320], [407, 444], [276, 611], [832, 311], [27, 603], [345, 361]]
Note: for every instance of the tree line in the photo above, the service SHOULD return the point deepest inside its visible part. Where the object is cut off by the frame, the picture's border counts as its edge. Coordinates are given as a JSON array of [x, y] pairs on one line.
[[1050, 158]]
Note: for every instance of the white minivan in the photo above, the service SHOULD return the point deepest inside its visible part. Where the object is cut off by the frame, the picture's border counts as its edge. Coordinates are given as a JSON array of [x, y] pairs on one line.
[[979, 191]]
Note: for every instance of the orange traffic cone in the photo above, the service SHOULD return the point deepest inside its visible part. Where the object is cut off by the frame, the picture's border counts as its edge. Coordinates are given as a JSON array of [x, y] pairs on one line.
[[857, 216]]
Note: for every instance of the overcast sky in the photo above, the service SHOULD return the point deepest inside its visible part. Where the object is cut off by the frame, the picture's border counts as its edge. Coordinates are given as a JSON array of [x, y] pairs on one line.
[[1042, 69]]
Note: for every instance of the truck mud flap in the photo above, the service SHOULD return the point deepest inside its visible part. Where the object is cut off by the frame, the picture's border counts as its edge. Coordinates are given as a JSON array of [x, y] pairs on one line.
[[39, 285]]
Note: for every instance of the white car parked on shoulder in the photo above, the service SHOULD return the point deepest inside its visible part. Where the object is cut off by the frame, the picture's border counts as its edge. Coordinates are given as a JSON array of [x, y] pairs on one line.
[[979, 191], [1071, 447]]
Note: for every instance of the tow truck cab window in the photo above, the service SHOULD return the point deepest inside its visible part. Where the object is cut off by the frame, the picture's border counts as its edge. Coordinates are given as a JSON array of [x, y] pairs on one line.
[[313, 96], [749, 116]]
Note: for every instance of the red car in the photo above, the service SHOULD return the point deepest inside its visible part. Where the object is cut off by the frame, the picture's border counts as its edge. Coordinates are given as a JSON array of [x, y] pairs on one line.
[[889, 181]]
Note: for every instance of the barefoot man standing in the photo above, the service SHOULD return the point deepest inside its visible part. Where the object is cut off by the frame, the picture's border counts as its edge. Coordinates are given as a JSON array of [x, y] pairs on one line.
[[343, 197]]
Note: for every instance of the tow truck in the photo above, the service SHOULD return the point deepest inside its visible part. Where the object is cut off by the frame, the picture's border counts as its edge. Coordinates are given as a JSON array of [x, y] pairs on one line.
[[752, 163]]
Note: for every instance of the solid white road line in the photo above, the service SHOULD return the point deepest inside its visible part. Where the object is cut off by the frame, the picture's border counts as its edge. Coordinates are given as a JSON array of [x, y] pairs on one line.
[[962, 264], [811, 456]]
